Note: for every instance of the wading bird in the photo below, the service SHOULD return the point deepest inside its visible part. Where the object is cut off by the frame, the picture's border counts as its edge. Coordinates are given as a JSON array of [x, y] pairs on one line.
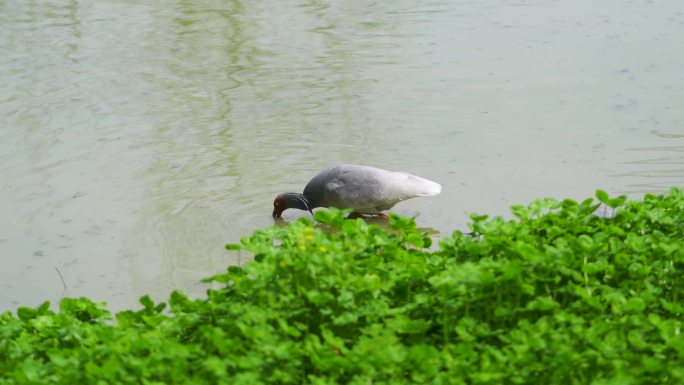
[[365, 189]]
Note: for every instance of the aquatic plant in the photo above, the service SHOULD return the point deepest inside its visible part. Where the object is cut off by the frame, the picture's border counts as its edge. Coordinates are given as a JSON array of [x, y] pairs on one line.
[[557, 295]]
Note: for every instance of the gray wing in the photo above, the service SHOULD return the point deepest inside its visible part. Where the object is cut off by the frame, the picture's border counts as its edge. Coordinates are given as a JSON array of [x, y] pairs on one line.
[[359, 189]]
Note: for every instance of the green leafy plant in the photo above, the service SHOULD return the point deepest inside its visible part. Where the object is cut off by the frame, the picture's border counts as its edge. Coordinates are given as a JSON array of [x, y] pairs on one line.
[[558, 295]]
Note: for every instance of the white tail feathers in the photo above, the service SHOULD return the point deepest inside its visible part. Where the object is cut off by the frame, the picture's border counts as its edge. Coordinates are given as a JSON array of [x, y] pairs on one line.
[[425, 187], [408, 185]]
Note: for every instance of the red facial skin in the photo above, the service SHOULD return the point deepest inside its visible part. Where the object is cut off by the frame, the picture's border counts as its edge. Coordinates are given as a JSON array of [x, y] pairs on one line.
[[278, 207]]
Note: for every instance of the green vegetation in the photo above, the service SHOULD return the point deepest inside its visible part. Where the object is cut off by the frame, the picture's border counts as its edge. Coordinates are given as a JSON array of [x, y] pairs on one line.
[[556, 296]]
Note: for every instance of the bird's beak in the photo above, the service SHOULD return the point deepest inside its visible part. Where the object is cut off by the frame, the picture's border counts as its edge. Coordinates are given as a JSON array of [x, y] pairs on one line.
[[276, 213]]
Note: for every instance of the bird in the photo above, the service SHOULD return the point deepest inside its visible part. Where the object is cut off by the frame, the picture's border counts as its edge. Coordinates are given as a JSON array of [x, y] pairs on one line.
[[365, 189]]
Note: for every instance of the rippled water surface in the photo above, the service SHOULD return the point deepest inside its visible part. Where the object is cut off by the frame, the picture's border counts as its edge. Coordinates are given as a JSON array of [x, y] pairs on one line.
[[137, 138]]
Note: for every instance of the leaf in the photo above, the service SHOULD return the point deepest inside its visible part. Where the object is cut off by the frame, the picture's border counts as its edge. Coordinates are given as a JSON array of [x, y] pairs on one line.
[[602, 196], [26, 313], [617, 202]]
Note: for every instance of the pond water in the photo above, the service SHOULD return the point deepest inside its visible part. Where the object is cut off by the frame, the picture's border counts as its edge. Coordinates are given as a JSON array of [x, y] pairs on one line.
[[137, 138]]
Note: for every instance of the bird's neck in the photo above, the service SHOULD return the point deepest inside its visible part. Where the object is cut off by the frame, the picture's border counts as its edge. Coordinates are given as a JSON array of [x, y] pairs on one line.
[[297, 201]]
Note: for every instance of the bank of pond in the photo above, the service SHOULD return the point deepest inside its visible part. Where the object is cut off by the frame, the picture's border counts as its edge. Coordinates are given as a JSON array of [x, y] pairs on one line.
[[556, 295]]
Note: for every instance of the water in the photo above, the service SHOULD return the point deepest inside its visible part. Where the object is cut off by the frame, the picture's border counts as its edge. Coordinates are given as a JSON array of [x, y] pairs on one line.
[[137, 139]]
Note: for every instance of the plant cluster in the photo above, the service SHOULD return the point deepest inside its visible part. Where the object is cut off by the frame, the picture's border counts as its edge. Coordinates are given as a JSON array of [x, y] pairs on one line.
[[557, 295]]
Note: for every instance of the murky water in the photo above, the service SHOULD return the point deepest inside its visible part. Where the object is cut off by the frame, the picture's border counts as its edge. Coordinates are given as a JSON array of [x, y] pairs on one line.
[[137, 139]]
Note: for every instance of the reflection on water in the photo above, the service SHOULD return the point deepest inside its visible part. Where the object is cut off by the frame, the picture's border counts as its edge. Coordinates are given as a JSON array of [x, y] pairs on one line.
[[662, 169], [137, 139], [668, 135]]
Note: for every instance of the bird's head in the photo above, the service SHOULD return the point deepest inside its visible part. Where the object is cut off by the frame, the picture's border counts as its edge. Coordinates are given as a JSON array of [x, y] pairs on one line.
[[286, 201], [278, 206]]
